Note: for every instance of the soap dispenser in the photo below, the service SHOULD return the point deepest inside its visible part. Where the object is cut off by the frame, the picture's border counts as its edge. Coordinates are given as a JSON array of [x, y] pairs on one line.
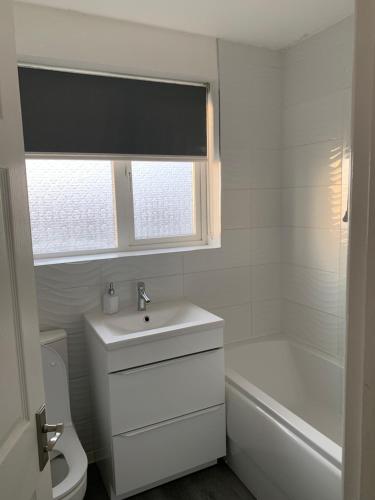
[[110, 300]]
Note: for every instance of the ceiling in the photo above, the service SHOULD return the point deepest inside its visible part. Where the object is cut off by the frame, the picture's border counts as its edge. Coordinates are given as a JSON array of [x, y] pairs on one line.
[[269, 23]]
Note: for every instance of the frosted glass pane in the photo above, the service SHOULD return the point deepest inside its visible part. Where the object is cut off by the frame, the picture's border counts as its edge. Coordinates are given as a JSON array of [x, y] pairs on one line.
[[72, 205], [163, 199]]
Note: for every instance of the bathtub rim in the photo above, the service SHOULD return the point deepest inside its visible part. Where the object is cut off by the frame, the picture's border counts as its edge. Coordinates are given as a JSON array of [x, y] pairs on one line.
[[275, 337], [295, 424]]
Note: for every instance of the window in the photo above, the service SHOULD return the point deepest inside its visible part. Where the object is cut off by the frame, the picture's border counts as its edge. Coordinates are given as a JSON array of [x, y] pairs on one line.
[[87, 206], [117, 163], [163, 200]]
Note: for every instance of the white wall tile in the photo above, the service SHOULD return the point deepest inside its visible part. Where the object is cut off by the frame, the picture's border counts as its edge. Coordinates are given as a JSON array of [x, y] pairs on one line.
[[266, 282], [314, 121], [342, 339], [77, 354], [84, 428], [265, 245], [80, 398], [250, 104], [235, 168], [316, 133], [347, 129], [311, 287], [68, 275], [237, 322], [314, 248], [251, 88], [341, 293], [311, 326], [256, 85], [246, 168], [313, 78], [218, 288], [313, 164], [256, 127], [64, 307], [234, 252], [266, 317], [312, 207], [250, 116], [142, 267], [320, 65], [344, 244], [265, 171], [265, 208], [235, 209]]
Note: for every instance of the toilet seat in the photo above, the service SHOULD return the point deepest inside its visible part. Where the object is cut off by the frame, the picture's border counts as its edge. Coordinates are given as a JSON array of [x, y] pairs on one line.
[[70, 446]]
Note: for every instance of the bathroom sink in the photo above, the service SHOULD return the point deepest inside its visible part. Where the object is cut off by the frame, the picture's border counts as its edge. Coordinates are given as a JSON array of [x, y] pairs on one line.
[[157, 316], [130, 326]]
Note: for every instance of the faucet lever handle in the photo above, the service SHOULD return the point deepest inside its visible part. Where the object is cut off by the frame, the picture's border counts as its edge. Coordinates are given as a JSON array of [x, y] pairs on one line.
[[140, 285], [143, 298]]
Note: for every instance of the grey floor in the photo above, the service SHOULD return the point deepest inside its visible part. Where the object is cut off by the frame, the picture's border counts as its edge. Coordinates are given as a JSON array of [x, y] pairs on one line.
[[214, 483]]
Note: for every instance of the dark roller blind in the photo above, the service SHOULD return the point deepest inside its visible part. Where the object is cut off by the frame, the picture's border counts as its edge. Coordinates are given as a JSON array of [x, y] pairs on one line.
[[64, 112]]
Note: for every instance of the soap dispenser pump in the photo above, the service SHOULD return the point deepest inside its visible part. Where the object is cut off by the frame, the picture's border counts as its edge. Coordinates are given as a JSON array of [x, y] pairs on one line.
[[110, 300]]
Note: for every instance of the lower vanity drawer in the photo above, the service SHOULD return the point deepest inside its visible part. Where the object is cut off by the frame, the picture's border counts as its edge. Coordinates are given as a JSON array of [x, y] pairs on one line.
[[155, 453], [152, 393]]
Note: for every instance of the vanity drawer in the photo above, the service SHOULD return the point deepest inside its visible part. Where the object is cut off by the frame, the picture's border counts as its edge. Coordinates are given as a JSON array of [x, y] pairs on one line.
[[156, 453], [149, 394]]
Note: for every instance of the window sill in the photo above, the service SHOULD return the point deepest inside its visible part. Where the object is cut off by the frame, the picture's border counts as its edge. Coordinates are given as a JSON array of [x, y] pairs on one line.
[[72, 259]]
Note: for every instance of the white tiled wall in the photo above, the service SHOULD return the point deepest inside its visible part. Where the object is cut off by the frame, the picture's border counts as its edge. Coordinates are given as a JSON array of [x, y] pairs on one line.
[[250, 106], [316, 122]]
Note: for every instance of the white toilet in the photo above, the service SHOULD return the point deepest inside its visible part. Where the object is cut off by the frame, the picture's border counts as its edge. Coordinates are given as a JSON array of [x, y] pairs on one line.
[[68, 459]]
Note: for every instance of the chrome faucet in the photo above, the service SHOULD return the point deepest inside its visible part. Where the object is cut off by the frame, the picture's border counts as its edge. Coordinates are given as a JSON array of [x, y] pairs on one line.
[[143, 298]]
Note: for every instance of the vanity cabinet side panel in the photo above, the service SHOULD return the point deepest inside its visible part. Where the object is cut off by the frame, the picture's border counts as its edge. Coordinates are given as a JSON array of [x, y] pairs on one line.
[[99, 388]]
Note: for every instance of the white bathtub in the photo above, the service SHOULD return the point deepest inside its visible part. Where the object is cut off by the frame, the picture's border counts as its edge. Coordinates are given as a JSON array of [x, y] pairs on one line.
[[284, 420]]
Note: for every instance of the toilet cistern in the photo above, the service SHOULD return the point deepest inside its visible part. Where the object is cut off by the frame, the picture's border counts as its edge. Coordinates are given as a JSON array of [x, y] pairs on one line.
[[143, 298]]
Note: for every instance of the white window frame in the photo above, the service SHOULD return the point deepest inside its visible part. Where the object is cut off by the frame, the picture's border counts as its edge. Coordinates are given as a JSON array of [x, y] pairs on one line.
[[126, 242]]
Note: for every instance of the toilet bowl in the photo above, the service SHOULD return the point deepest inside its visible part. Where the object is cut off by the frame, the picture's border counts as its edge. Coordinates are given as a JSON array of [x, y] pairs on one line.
[[68, 459]]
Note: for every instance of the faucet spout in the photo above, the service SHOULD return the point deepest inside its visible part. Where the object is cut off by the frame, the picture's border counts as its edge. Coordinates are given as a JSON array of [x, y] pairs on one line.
[[143, 298]]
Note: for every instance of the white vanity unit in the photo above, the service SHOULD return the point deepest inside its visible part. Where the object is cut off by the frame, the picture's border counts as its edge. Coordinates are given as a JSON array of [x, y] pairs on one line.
[[158, 388]]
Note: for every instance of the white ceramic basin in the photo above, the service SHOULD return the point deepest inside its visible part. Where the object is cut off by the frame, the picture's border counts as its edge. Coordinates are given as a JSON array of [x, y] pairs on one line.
[[162, 319]]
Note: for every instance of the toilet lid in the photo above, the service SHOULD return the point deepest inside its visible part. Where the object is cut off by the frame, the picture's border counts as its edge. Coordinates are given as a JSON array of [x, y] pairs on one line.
[[56, 387]]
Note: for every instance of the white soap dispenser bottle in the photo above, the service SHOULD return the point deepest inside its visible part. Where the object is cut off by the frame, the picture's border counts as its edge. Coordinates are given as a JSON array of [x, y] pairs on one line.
[[110, 300]]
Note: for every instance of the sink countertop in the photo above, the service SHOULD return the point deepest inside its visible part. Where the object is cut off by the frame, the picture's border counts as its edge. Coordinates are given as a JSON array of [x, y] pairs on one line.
[[165, 319]]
